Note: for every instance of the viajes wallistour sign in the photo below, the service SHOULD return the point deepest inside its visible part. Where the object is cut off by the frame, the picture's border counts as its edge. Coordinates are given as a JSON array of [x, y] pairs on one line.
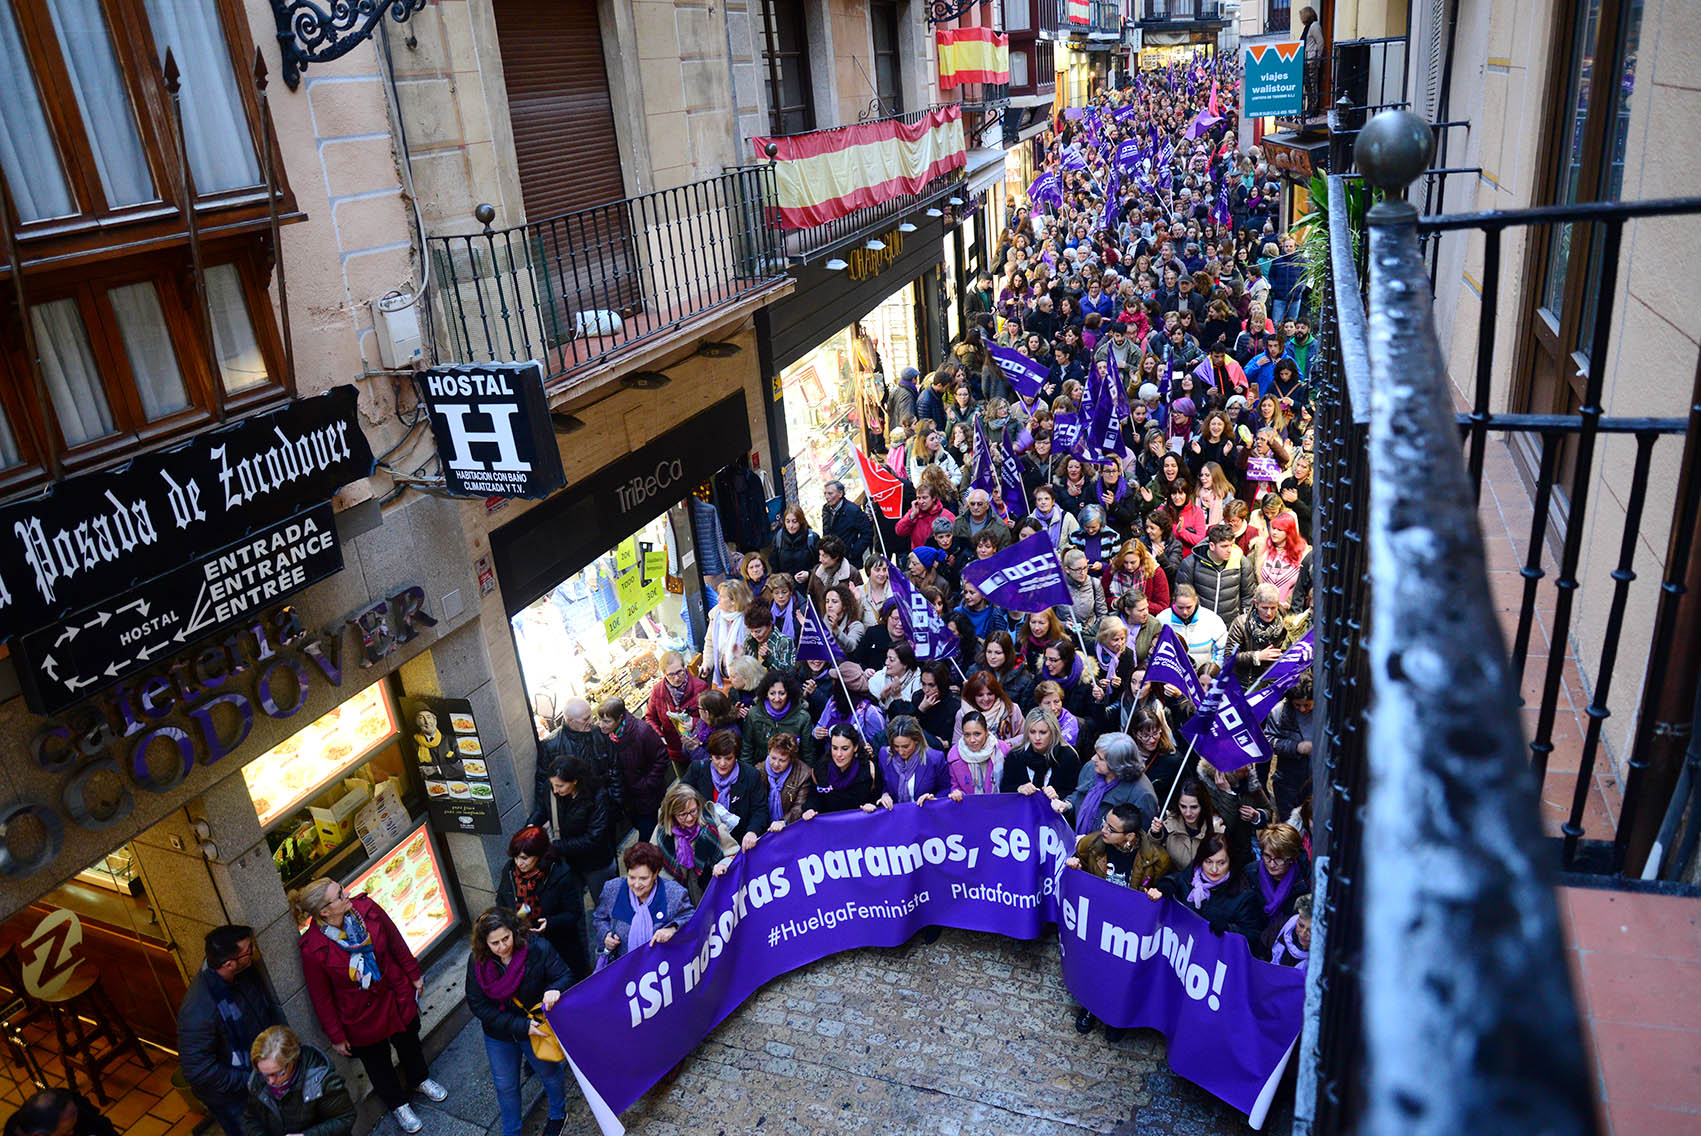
[[1273, 80]]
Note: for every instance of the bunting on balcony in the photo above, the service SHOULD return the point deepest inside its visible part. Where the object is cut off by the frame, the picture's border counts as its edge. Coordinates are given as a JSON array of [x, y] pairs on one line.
[[972, 55], [1080, 11], [827, 174]]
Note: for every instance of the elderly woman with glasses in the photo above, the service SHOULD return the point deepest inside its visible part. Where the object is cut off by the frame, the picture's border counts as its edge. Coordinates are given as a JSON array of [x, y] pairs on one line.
[[294, 1089], [1115, 776]]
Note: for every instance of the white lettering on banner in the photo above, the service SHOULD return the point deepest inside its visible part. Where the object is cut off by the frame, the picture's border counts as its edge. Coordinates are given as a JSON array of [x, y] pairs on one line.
[[93, 542], [501, 435], [640, 489], [1016, 573], [1131, 946]]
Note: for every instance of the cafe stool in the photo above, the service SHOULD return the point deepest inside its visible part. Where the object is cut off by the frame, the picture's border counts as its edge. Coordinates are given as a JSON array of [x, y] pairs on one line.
[[80, 1014], [16, 1047]]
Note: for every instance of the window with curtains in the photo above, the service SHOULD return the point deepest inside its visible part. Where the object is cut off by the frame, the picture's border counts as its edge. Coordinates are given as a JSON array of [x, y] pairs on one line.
[[128, 352]]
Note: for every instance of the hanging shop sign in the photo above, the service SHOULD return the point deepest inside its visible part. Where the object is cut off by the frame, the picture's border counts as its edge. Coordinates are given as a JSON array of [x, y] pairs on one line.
[[491, 422], [150, 731], [443, 741], [638, 588], [64, 662], [1296, 160], [1272, 82], [93, 537]]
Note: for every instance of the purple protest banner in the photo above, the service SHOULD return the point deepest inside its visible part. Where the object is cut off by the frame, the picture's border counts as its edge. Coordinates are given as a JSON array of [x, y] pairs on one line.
[[1283, 673], [814, 641], [1231, 1020], [1169, 663], [1023, 374], [1263, 469], [928, 633], [1047, 188], [1074, 160], [1225, 730], [1026, 577], [987, 863], [1065, 433], [1011, 487]]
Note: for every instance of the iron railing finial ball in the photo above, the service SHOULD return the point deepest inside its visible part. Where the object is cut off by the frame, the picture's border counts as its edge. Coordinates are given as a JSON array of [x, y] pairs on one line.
[[1394, 149]]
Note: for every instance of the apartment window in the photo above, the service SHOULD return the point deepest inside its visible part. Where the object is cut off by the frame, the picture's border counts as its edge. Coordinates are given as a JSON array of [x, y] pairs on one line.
[[785, 54], [126, 353], [1016, 16], [888, 84], [1018, 69]]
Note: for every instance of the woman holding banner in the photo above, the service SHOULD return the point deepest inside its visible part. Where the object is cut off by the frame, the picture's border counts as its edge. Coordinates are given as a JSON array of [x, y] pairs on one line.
[[976, 761], [848, 779], [788, 783], [691, 834], [911, 771], [1216, 891], [1115, 776], [641, 908], [1043, 763]]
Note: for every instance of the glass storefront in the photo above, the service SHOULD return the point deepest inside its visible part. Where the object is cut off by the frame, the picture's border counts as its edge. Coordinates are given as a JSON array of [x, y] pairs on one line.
[[601, 632], [825, 392]]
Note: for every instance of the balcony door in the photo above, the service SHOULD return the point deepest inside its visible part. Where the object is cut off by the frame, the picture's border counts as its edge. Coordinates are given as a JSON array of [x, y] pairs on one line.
[[1588, 122], [568, 154]]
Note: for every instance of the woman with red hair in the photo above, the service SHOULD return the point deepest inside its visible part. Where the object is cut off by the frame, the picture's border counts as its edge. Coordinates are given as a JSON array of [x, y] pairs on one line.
[[547, 896], [1285, 554]]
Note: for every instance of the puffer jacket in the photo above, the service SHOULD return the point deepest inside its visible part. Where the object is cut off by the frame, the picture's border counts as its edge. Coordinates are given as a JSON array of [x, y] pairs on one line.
[[1225, 588], [317, 1103]]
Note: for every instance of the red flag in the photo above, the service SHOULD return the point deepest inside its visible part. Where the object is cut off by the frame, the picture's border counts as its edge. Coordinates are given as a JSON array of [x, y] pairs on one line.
[[884, 488]]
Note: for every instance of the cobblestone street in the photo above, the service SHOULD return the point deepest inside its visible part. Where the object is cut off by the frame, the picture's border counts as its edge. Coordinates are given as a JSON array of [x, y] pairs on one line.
[[972, 1034]]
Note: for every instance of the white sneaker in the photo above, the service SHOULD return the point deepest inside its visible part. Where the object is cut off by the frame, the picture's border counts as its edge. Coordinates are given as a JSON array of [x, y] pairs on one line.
[[406, 1119], [432, 1090]]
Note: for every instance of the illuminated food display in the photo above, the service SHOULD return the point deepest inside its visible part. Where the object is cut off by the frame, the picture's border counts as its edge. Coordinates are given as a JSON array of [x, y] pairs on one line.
[[408, 884], [298, 767]]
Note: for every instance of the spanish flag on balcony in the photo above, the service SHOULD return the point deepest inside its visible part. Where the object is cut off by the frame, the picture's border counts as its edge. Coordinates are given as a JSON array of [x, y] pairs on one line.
[[826, 174], [1080, 11], [973, 55]]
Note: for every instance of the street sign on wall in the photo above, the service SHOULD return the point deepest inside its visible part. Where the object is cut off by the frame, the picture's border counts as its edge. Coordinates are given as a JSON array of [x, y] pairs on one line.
[[66, 661], [491, 422], [1273, 80]]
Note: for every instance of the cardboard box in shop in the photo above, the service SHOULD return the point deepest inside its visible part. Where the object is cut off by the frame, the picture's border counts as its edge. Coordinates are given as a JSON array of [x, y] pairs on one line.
[[336, 824]]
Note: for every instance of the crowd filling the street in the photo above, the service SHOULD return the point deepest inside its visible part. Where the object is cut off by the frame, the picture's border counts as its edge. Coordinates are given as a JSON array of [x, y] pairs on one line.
[[1075, 540]]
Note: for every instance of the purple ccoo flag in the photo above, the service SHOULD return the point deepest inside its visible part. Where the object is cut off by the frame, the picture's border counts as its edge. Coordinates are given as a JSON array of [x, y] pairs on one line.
[[1169, 663], [1047, 189], [1026, 577], [1225, 730], [1065, 433], [1023, 374], [1281, 676], [927, 632], [983, 478], [814, 641], [1012, 489]]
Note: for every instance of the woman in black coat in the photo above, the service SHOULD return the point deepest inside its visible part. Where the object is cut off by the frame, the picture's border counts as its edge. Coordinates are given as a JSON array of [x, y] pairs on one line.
[[511, 975], [1217, 890], [736, 786], [1042, 763], [847, 778], [794, 545], [583, 822], [547, 894]]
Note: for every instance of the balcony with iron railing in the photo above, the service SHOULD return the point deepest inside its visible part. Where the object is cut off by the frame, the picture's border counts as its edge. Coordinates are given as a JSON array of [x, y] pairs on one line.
[[577, 290], [1455, 909], [1162, 12], [807, 243]]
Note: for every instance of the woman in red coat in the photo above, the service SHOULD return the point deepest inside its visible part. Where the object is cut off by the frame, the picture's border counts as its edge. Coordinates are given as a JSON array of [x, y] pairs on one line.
[[365, 983]]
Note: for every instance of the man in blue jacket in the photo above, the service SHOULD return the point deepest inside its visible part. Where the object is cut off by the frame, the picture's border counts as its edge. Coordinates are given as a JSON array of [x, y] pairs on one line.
[[227, 1006], [1261, 368]]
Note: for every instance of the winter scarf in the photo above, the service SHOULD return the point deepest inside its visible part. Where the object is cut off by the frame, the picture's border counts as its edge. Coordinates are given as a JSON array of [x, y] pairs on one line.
[[501, 984], [352, 937], [1202, 888]]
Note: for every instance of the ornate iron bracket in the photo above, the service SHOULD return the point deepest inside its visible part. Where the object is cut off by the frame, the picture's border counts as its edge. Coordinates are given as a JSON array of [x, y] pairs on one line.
[[308, 33], [940, 11]]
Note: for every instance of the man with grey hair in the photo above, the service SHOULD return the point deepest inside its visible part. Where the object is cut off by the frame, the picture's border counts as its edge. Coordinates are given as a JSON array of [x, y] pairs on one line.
[[977, 518], [1258, 636], [573, 733]]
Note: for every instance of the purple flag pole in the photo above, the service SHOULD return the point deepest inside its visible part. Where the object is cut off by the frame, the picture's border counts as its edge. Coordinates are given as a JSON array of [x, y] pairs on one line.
[[833, 649]]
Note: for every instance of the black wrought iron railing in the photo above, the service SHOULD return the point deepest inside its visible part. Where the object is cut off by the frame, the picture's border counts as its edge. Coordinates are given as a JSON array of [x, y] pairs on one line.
[[802, 244], [1438, 998], [1107, 16], [573, 290]]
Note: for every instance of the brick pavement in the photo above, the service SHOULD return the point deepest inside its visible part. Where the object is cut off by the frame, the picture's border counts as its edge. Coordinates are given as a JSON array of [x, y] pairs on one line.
[[973, 1034]]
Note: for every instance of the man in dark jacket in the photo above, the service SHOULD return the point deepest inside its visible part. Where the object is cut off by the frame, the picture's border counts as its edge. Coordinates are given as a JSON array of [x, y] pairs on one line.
[[227, 1006], [900, 402], [576, 735], [642, 760], [847, 522], [1290, 729], [1220, 573], [930, 403]]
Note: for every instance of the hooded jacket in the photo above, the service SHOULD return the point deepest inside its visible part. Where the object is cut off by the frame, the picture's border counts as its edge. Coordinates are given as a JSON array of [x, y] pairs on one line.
[[1223, 587]]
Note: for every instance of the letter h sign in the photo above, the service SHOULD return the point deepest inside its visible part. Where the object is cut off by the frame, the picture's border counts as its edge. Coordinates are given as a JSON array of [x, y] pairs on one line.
[[493, 429]]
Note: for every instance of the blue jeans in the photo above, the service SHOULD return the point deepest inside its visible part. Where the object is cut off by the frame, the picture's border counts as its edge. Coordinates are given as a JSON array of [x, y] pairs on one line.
[[505, 1058], [1279, 310]]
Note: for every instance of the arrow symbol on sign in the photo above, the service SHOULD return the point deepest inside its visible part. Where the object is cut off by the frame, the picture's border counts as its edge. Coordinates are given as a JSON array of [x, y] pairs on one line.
[[102, 619], [199, 616], [71, 632], [146, 653], [51, 666], [141, 606], [79, 683], [112, 669]]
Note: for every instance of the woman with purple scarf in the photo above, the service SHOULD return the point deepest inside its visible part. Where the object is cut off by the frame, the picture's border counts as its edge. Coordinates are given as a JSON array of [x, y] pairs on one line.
[[693, 838], [911, 772], [512, 977], [1282, 875], [1290, 945], [734, 787], [1115, 776], [849, 777], [1215, 891]]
